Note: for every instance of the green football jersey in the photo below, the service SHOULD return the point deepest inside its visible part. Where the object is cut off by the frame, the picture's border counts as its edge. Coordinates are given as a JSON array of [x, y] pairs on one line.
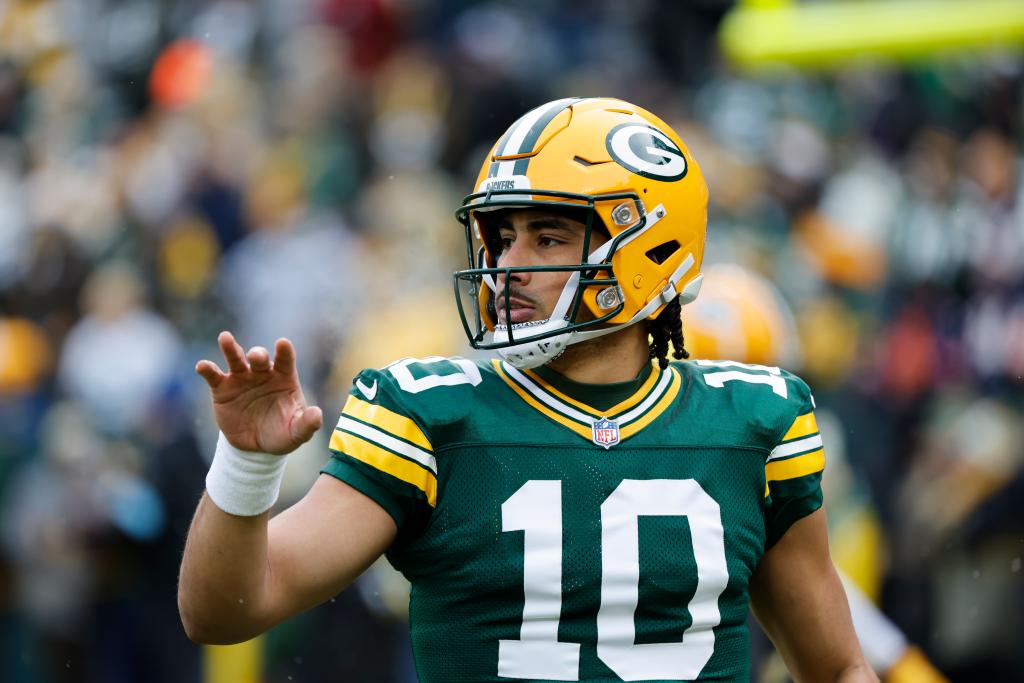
[[547, 539]]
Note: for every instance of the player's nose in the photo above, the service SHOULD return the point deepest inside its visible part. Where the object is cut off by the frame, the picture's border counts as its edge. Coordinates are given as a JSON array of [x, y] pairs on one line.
[[513, 257]]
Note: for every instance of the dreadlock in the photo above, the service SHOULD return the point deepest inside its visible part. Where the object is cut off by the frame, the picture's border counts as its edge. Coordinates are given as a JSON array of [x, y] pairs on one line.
[[667, 326]]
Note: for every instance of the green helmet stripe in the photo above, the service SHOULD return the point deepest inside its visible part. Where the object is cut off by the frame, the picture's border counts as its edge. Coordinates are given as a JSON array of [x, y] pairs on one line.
[[535, 132], [523, 135]]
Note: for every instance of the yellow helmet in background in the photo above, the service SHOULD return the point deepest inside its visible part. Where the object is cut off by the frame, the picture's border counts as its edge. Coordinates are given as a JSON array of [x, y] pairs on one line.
[[741, 316], [619, 169], [25, 355]]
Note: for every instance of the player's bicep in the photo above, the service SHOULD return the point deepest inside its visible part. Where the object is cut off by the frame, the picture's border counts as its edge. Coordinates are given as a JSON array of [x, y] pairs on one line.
[[799, 600], [321, 544]]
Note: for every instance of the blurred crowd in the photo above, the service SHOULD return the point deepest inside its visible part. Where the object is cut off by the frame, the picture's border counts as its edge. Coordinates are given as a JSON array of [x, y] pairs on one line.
[[290, 168]]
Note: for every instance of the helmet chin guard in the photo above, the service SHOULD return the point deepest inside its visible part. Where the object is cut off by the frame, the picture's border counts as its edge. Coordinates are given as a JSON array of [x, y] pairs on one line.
[[531, 354]]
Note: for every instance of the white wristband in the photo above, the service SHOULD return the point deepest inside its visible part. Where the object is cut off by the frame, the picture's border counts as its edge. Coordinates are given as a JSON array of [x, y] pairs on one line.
[[241, 482]]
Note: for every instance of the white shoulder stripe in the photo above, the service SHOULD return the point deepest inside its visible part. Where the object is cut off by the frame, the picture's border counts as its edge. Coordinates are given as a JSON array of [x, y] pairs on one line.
[[656, 393], [387, 441], [796, 447]]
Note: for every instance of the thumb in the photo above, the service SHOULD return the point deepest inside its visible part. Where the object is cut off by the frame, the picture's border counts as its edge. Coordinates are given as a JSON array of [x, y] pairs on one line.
[[306, 422]]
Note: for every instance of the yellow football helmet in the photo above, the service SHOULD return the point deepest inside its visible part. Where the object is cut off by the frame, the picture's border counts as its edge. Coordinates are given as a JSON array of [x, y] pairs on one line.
[[741, 316], [619, 168]]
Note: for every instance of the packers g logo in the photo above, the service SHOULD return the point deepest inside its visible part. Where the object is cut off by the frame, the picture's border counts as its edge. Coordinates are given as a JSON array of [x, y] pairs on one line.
[[646, 151]]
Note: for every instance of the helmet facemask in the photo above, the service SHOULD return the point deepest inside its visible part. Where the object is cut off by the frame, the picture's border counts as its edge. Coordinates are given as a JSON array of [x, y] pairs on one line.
[[590, 298]]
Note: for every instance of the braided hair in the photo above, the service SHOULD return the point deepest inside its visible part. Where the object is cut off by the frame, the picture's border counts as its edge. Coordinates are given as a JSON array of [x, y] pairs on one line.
[[668, 326]]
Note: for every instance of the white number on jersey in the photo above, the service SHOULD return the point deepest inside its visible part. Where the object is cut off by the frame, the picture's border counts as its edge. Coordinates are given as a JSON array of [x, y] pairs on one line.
[[536, 509], [466, 372], [746, 373]]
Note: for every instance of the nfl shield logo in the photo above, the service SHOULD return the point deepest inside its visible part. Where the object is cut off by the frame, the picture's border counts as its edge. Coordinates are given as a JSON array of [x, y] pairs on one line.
[[606, 432]]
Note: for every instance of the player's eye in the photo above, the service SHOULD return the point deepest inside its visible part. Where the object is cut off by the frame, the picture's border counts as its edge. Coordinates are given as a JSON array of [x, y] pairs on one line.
[[548, 241]]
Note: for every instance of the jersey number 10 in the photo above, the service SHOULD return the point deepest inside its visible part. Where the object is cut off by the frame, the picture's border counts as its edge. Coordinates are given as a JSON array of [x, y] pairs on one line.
[[536, 509]]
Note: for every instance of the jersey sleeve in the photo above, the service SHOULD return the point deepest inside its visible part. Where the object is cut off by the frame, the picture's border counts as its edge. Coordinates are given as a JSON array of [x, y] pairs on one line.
[[794, 467], [379, 450]]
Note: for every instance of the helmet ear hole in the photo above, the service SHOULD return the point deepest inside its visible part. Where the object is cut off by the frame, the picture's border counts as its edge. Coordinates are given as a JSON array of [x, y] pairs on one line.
[[663, 251]]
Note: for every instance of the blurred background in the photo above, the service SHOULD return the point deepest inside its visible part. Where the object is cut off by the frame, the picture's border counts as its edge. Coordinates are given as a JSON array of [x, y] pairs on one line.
[[290, 168]]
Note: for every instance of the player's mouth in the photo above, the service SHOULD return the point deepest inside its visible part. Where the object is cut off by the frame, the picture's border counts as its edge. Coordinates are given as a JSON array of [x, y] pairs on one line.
[[521, 310]]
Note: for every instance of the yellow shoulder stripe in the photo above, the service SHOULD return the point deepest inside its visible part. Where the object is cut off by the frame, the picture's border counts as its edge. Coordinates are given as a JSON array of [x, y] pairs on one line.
[[387, 421], [387, 462], [802, 426], [808, 463]]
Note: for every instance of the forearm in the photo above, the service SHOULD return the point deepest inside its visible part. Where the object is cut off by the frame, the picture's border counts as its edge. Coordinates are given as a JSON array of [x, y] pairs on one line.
[[242, 575], [858, 673], [817, 607], [222, 586]]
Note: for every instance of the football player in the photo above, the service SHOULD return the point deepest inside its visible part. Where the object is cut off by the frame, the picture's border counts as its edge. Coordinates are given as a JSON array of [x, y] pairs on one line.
[[577, 509]]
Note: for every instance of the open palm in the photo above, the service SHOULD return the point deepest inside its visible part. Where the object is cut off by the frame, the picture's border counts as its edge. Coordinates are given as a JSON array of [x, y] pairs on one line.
[[258, 403]]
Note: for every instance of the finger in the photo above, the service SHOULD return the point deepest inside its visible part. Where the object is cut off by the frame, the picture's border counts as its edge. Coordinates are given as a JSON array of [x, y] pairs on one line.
[[209, 371], [306, 423], [284, 356], [233, 352], [259, 359]]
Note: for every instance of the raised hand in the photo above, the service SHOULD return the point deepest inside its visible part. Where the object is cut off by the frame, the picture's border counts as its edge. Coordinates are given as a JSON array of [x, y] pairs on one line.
[[258, 403]]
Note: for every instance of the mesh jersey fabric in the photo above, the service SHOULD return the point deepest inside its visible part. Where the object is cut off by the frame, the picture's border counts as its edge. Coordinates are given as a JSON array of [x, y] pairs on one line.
[[537, 551]]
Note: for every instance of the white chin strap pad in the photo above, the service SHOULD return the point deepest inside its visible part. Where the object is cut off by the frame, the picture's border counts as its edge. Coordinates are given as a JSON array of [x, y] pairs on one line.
[[533, 354]]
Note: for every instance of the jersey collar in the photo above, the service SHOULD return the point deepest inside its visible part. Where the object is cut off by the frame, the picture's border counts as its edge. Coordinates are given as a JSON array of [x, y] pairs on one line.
[[603, 398], [631, 415]]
